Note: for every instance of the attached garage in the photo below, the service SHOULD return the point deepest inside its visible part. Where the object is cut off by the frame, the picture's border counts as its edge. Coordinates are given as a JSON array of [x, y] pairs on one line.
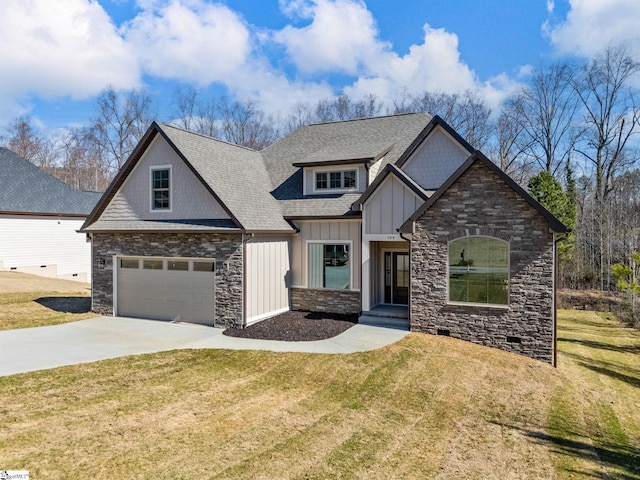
[[175, 289]]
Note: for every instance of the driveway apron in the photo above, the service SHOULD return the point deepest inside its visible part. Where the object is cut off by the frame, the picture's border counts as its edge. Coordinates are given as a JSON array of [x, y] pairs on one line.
[[101, 338]]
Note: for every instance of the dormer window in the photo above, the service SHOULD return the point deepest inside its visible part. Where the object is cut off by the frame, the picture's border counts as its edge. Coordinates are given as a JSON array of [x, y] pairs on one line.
[[161, 188], [336, 180]]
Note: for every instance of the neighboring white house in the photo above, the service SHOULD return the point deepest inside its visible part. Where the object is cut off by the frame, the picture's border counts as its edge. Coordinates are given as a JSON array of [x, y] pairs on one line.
[[39, 220]]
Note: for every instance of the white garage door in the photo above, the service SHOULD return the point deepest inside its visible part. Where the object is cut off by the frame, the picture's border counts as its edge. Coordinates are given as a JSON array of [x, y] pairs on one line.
[[179, 289]]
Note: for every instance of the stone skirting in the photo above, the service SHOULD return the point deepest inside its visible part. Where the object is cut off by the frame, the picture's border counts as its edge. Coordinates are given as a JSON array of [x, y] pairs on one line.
[[323, 300], [225, 248]]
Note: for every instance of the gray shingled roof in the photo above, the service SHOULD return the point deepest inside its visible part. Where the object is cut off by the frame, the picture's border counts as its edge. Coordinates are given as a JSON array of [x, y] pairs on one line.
[[235, 174], [261, 189], [356, 139], [197, 225], [25, 188]]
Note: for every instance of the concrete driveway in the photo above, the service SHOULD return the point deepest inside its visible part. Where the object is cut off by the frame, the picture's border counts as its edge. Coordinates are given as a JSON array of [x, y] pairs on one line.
[[100, 338]]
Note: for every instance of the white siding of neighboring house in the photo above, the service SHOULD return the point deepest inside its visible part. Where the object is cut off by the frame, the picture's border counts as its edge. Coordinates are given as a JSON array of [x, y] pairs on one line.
[[435, 160], [388, 208], [267, 277], [331, 231], [47, 246], [189, 198]]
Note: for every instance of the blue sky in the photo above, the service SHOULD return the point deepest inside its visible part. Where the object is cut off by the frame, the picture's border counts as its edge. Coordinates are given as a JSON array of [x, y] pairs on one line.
[[57, 56]]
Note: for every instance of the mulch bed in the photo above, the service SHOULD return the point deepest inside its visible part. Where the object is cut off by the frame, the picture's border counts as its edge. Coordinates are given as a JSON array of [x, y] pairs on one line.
[[296, 327]]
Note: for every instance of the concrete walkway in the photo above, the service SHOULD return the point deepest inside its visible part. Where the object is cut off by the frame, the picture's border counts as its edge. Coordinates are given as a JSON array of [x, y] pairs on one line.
[[100, 338]]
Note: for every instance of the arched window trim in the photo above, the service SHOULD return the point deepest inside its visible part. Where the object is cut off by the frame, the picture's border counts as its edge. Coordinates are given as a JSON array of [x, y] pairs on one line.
[[508, 273]]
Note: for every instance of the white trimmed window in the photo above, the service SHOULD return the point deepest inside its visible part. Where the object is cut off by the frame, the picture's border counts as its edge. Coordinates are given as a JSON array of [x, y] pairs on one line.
[[336, 180], [479, 270], [329, 265], [161, 188]]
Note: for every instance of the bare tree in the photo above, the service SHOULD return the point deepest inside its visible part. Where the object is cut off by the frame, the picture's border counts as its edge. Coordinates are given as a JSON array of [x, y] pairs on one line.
[[611, 118], [82, 166], [244, 124], [508, 150], [301, 114], [467, 114], [185, 103], [120, 122], [546, 111], [24, 140], [611, 114], [194, 113]]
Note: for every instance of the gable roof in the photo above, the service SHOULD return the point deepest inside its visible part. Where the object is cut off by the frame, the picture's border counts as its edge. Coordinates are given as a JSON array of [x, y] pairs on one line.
[[351, 141], [435, 122], [554, 224], [234, 175], [391, 169], [25, 188]]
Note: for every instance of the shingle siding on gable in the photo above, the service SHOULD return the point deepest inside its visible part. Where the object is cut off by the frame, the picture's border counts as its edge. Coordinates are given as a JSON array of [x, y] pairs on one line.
[[189, 198], [436, 159], [479, 203]]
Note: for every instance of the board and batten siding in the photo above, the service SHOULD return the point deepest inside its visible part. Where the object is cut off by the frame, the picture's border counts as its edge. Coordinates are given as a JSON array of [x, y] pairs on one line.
[[330, 231], [435, 160], [389, 207], [189, 197], [46, 246], [267, 277]]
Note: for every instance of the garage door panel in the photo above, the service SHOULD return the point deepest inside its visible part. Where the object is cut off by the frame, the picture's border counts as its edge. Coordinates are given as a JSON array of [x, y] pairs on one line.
[[166, 294]]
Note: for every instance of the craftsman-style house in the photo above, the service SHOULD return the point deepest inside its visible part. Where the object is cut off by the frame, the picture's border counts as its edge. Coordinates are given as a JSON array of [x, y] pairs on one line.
[[395, 218]]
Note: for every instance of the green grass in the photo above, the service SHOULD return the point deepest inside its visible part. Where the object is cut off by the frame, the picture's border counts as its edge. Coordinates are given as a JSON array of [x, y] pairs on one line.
[[426, 407]]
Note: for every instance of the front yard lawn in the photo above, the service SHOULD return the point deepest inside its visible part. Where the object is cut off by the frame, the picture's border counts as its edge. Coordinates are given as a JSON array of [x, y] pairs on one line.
[[426, 407]]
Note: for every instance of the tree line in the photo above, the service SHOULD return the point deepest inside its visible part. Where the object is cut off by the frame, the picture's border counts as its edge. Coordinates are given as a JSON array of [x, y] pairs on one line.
[[569, 136]]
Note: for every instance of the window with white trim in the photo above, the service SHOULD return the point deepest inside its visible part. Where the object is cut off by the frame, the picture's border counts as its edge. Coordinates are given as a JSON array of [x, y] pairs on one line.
[[329, 265], [479, 270], [161, 189], [336, 180]]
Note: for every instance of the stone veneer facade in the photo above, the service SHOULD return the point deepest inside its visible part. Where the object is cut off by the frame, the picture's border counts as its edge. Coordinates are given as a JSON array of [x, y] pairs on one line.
[[225, 248], [480, 203], [323, 300]]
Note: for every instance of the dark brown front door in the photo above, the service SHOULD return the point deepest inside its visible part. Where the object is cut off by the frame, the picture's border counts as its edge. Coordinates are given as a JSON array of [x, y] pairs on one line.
[[396, 278]]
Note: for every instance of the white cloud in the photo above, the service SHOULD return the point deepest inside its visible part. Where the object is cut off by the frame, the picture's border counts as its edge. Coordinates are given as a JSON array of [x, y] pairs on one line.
[[551, 5], [433, 65], [53, 49], [188, 40], [341, 37], [592, 25]]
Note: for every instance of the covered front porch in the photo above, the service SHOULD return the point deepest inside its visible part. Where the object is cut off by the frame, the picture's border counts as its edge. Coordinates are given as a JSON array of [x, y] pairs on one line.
[[385, 283]]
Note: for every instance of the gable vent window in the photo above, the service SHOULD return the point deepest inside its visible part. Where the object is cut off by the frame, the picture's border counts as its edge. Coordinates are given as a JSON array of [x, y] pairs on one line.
[[339, 180], [161, 189]]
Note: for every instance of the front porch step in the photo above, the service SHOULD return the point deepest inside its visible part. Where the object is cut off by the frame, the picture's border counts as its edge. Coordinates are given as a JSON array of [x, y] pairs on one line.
[[382, 321]]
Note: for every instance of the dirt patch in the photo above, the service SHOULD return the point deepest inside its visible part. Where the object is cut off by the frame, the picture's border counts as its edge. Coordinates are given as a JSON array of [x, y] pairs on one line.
[[11, 282], [587, 300], [297, 327]]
